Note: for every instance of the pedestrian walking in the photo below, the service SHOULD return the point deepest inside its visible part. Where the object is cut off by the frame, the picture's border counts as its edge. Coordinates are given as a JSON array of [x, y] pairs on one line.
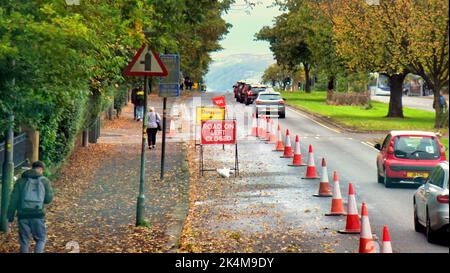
[[133, 100], [153, 126], [29, 195], [140, 102]]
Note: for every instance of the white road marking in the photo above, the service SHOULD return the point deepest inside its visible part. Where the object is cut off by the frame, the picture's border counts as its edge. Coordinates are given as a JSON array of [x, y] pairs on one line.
[[369, 145], [331, 129]]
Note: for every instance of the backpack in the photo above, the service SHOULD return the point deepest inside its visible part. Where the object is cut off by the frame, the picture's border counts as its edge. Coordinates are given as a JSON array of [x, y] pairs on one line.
[[33, 194]]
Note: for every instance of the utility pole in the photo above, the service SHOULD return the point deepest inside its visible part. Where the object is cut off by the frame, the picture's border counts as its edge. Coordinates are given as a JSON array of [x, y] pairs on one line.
[[8, 169], [163, 144]]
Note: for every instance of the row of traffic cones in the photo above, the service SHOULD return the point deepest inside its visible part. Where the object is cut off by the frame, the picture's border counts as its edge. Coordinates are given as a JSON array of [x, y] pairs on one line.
[[354, 224]]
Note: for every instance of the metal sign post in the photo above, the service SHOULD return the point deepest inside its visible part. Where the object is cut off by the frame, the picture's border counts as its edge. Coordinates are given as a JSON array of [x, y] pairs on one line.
[[168, 87], [145, 63]]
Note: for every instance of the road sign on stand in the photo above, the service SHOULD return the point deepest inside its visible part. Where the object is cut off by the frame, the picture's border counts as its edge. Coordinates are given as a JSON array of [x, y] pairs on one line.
[[218, 132], [170, 86], [146, 63]]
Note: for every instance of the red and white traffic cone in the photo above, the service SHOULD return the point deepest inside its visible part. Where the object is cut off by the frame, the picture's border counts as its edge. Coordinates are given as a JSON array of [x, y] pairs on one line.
[[366, 243], [352, 226], [254, 129], [386, 247], [269, 129], [262, 128], [337, 207], [311, 172], [287, 146], [172, 131], [297, 161], [273, 133], [324, 188], [279, 147]]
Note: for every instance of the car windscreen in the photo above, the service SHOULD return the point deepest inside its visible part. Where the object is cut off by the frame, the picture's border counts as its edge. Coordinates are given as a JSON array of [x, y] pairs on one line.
[[258, 89], [416, 147], [269, 97]]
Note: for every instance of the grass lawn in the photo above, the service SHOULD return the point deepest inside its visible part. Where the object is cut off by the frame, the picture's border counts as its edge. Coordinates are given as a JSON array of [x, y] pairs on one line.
[[358, 118]]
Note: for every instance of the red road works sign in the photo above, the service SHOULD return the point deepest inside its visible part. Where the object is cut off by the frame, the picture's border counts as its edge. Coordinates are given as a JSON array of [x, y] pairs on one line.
[[218, 132]]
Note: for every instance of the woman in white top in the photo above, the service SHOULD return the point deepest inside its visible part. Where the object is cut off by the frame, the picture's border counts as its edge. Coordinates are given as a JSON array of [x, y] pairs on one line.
[[153, 125]]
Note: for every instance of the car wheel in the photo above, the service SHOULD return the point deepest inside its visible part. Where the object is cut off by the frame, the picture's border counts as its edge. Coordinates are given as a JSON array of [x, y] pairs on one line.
[[247, 101], [431, 234], [282, 115], [387, 180], [380, 178], [417, 226]]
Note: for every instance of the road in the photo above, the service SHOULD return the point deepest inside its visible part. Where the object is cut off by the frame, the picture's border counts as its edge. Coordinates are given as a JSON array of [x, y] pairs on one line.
[[352, 158], [421, 103]]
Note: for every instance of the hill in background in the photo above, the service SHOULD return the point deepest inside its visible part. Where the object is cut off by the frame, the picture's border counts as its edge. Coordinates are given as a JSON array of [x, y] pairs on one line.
[[226, 71]]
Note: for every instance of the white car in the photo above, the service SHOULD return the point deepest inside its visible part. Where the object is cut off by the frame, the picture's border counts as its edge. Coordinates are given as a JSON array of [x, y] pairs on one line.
[[431, 204]]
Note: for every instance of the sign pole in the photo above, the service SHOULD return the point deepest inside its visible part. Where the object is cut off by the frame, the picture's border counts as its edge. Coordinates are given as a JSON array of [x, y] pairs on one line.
[[140, 209], [163, 148]]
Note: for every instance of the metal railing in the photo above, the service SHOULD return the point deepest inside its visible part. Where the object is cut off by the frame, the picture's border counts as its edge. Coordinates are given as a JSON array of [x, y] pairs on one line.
[[22, 147]]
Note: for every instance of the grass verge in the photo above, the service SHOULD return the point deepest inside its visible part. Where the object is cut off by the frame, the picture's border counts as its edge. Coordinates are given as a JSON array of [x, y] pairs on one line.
[[359, 118]]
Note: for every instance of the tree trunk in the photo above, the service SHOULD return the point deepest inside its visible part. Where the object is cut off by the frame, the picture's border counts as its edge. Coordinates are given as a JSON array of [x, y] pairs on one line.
[[330, 88], [307, 78], [395, 102]]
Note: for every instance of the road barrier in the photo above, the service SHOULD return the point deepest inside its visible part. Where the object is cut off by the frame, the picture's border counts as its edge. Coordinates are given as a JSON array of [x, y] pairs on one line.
[[337, 207], [352, 226], [324, 187], [366, 244], [297, 161], [311, 172]]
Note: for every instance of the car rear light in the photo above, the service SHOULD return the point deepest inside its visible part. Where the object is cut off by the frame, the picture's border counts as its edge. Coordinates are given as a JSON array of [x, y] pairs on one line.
[[443, 199], [390, 150], [258, 102], [281, 101], [249, 93]]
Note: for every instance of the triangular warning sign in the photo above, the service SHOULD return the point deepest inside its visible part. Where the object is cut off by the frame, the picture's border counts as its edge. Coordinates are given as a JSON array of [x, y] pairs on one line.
[[146, 63]]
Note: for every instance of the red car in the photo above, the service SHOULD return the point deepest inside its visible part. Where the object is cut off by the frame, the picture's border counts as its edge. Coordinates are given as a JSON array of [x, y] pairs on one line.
[[407, 155]]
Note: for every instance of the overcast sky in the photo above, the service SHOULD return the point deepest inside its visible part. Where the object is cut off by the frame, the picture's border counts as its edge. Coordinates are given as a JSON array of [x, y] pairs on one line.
[[240, 39]]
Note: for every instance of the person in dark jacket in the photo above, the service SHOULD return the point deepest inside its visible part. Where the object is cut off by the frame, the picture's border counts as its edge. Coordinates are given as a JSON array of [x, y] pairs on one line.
[[133, 100], [31, 220]]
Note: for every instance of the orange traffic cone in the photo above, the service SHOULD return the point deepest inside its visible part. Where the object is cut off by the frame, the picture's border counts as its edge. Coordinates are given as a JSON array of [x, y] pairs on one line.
[[311, 172], [254, 130], [262, 131], [172, 131], [366, 244], [324, 188], [337, 208], [269, 129], [273, 133], [352, 226], [287, 146], [279, 146], [386, 247], [297, 161]]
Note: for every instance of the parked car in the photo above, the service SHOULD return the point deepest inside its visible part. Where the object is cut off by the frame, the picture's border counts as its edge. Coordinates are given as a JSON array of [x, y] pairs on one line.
[[431, 204], [239, 84], [270, 102], [239, 90], [251, 91], [405, 155]]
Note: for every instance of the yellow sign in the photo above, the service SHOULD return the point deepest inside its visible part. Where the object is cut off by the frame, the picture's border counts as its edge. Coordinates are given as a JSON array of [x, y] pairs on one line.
[[210, 113]]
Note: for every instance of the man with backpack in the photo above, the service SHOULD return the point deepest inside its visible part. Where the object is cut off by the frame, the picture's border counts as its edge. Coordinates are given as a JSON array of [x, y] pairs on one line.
[[29, 195]]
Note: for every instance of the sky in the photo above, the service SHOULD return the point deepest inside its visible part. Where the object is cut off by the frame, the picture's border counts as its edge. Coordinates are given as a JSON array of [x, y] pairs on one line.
[[240, 39]]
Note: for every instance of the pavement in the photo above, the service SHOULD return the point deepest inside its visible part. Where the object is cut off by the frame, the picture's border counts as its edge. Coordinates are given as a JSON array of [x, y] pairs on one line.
[[95, 196], [270, 208], [421, 103]]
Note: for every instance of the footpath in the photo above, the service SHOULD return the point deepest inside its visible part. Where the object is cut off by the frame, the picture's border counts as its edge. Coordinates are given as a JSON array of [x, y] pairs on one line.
[[95, 195]]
